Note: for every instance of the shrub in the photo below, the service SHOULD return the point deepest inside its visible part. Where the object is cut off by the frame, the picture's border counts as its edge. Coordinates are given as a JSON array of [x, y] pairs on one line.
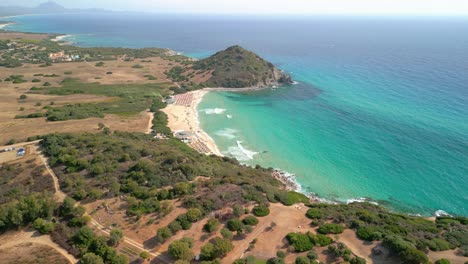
[[357, 260], [319, 239], [250, 220], [181, 249], [225, 233], [91, 258], [175, 226], [145, 255], [261, 210], [23, 97], [330, 229], [194, 214], [300, 242], [442, 261], [312, 255], [36, 80], [43, 226], [369, 233], [314, 213], [235, 225], [211, 226], [437, 244], [99, 64], [115, 236], [163, 234], [302, 260], [281, 254]]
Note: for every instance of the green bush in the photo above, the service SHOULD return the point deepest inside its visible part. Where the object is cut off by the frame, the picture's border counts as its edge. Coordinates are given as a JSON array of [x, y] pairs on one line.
[[330, 229], [314, 213], [302, 260], [250, 220], [181, 249], [211, 226], [300, 242], [261, 211], [442, 261], [369, 233], [43, 226], [225, 233], [235, 225], [163, 234], [319, 239]]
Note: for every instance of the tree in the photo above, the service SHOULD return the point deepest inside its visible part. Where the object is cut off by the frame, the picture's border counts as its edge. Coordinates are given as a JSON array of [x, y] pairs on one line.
[[85, 236], [181, 249], [222, 246], [207, 251], [302, 260], [91, 258], [115, 236]]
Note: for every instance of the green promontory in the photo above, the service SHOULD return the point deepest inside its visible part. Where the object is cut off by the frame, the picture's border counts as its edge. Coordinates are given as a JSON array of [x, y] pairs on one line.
[[237, 67]]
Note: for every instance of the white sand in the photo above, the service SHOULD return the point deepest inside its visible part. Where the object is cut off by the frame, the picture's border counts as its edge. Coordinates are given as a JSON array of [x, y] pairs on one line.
[[183, 118]]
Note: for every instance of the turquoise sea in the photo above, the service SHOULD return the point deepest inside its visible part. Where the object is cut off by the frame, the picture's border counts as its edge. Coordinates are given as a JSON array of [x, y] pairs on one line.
[[380, 110]]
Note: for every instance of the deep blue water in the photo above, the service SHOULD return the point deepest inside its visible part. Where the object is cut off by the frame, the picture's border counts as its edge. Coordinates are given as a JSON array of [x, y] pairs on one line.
[[380, 111]]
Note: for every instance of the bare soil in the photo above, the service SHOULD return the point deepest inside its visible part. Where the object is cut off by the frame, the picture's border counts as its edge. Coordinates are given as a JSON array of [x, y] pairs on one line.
[[31, 247]]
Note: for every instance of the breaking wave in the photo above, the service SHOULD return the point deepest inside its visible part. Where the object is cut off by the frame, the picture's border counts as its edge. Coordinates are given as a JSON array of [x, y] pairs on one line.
[[215, 111], [240, 152]]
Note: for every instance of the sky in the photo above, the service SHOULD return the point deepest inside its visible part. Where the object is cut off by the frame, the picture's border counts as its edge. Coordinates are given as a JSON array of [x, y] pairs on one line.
[[324, 7]]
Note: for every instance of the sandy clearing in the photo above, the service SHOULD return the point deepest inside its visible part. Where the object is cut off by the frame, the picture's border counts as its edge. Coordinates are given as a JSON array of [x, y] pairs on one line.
[[11, 239]]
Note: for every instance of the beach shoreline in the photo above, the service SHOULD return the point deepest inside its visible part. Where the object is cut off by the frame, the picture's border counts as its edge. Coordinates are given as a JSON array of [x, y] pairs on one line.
[[185, 118], [3, 26]]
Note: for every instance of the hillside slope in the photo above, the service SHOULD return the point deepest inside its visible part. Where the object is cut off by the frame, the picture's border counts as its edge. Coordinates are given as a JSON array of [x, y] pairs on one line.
[[234, 67]]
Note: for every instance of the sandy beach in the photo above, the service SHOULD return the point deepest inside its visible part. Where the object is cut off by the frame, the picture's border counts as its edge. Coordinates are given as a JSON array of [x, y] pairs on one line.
[[3, 26], [183, 116]]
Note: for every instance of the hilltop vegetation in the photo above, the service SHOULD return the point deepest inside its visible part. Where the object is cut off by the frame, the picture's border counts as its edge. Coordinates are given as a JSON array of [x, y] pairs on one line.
[[234, 67], [237, 67]]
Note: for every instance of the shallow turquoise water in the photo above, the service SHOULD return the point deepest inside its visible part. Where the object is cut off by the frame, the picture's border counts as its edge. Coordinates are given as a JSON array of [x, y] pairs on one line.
[[380, 110]]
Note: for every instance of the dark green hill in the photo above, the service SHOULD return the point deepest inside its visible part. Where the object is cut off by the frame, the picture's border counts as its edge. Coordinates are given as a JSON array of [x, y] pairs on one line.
[[237, 67]]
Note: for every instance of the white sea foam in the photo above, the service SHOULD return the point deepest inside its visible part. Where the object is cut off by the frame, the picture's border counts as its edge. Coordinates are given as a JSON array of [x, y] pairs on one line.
[[360, 200], [215, 111], [294, 82], [227, 133], [240, 152], [228, 116], [440, 213]]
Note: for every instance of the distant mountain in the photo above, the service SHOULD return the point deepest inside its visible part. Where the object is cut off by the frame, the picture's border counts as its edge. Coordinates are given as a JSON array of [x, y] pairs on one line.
[[237, 67], [49, 7]]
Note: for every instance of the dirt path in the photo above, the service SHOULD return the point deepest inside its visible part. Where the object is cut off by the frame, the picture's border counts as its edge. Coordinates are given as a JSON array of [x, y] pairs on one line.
[[16, 238], [150, 122], [133, 243], [58, 193]]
